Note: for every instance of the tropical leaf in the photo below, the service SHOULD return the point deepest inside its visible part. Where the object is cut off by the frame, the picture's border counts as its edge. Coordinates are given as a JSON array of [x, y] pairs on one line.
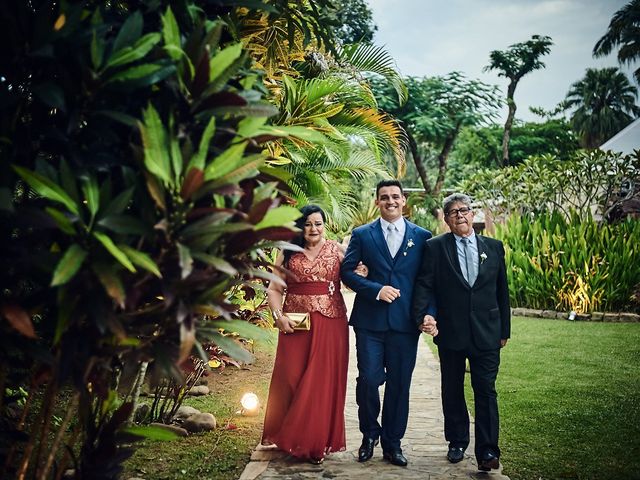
[[141, 259], [47, 188], [131, 53], [281, 215], [115, 251], [68, 265], [154, 140]]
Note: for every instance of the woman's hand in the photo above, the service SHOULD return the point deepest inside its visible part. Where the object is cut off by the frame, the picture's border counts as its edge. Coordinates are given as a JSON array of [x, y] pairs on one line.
[[362, 270], [285, 324]]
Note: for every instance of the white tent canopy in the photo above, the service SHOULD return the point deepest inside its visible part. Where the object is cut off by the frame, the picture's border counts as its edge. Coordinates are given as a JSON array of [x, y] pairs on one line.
[[626, 140]]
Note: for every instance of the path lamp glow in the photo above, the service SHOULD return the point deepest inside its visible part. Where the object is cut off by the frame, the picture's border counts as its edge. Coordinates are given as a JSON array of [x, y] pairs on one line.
[[250, 404]]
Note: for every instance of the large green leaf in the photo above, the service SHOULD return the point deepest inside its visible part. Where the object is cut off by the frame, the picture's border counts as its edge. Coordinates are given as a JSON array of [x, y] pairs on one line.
[[228, 345], [133, 52], [226, 162], [61, 220], [156, 157], [118, 204], [130, 31], [243, 328], [171, 35], [223, 59], [47, 188], [124, 224], [141, 259], [276, 217], [216, 262], [115, 251], [199, 158], [91, 195], [68, 265]]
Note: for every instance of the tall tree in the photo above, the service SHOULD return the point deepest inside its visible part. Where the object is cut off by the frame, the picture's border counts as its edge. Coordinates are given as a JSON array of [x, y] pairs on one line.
[[514, 63], [604, 102], [435, 113], [623, 32], [355, 21]]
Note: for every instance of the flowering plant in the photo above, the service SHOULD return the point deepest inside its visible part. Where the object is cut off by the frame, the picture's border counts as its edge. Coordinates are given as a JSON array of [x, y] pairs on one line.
[[483, 257]]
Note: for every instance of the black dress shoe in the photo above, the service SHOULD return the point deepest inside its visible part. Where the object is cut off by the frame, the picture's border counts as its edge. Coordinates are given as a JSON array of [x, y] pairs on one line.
[[488, 462], [455, 454], [396, 458], [365, 452]]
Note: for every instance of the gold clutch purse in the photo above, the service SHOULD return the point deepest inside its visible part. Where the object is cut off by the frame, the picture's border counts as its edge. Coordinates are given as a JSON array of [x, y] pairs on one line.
[[303, 320]]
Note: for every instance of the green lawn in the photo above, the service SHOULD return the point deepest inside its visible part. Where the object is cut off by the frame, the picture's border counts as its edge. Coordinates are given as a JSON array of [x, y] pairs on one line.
[[569, 395]]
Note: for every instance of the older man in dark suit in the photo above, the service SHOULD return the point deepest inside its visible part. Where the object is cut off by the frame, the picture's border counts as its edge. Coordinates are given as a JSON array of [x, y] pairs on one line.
[[465, 275]]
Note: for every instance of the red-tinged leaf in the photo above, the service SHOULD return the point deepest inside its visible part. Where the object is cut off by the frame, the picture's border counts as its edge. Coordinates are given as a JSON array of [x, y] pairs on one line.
[[19, 319], [230, 426], [68, 265], [222, 99], [111, 282], [258, 211], [156, 192], [201, 77], [192, 182]]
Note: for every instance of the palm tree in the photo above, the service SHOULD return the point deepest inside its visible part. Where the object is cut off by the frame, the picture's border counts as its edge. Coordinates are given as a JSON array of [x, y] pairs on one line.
[[514, 63], [623, 31], [604, 102]]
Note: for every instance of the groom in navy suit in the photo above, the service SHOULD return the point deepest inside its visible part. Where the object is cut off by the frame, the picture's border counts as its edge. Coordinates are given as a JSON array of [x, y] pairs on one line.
[[386, 336]]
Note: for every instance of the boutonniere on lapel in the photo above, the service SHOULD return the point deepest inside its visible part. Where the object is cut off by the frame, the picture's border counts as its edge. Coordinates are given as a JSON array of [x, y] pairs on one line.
[[409, 245], [483, 257]]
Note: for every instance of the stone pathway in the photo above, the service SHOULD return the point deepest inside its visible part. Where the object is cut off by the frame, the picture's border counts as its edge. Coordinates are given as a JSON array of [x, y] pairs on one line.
[[423, 444]]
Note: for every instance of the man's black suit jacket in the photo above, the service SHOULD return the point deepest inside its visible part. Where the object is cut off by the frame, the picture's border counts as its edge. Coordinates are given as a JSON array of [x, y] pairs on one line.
[[466, 316]]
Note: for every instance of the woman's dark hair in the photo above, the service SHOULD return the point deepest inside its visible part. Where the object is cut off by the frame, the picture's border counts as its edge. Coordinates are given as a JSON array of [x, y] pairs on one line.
[[299, 238]]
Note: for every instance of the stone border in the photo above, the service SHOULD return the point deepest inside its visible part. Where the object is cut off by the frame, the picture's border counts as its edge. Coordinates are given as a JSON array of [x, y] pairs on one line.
[[626, 317]]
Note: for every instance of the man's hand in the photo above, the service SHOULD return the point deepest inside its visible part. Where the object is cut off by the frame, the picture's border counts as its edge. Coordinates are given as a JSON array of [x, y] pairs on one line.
[[362, 270], [429, 325], [388, 294], [503, 342]]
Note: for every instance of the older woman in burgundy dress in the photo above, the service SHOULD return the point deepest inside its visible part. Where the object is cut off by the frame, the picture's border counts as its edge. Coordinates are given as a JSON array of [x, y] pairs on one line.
[[305, 410]]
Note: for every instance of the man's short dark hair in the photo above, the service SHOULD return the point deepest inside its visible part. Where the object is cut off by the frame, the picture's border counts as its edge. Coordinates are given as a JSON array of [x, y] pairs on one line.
[[389, 183]]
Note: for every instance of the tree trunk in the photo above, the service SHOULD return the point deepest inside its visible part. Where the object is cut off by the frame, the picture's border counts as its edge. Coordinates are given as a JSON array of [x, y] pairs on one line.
[[507, 125], [442, 159], [417, 160], [135, 397]]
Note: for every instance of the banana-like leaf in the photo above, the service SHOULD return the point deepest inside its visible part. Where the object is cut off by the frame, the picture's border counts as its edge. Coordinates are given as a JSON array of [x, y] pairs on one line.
[[47, 188], [68, 265], [115, 251]]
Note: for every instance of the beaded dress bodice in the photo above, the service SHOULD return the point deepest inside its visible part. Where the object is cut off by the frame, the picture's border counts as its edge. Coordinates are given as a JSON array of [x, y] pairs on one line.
[[324, 268]]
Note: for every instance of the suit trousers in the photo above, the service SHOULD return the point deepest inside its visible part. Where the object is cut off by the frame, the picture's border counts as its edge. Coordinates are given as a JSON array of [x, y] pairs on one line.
[[384, 357], [484, 366]]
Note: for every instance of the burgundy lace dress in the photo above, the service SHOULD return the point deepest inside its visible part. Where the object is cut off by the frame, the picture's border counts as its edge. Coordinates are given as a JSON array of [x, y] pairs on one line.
[[305, 410]]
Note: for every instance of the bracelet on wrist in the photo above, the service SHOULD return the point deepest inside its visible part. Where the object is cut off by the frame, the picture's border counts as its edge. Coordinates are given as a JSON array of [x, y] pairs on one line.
[[277, 314]]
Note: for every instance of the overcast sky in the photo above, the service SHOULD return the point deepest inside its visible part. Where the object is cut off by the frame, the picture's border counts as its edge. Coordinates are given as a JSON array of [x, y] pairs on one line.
[[435, 37]]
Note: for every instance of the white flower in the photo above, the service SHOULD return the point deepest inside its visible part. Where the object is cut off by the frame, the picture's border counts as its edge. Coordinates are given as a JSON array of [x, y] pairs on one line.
[[483, 257], [410, 243]]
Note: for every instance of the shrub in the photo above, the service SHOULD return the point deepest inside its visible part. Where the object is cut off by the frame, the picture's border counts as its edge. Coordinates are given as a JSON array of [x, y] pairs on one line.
[[575, 263]]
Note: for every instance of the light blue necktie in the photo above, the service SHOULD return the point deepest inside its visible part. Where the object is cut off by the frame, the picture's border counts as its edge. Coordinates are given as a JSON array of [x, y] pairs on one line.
[[392, 239], [472, 271]]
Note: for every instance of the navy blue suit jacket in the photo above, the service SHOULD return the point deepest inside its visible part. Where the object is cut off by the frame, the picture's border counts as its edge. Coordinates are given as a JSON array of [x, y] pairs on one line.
[[369, 246]]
